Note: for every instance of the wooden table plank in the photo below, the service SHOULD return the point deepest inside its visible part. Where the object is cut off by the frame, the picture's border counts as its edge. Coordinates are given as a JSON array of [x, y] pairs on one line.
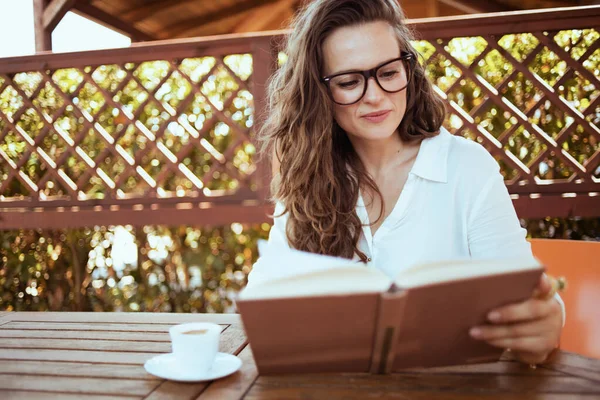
[[86, 344], [4, 317], [90, 370], [170, 390], [576, 364], [9, 332], [84, 356], [349, 394], [364, 385], [123, 317], [83, 386], [39, 395], [232, 340], [234, 386], [501, 367], [87, 326]]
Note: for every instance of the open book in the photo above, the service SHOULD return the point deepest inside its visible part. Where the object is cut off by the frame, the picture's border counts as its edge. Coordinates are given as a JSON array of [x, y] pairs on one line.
[[314, 313]]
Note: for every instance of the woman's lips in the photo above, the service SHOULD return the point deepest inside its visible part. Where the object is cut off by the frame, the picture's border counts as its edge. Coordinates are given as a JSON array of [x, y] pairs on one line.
[[376, 117]]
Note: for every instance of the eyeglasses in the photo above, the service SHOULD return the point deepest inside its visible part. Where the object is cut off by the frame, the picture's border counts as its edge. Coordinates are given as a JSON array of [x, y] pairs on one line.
[[349, 87]]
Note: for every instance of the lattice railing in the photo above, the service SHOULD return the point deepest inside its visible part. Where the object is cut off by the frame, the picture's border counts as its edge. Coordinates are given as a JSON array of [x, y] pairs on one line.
[[527, 87], [500, 99], [167, 141], [163, 133]]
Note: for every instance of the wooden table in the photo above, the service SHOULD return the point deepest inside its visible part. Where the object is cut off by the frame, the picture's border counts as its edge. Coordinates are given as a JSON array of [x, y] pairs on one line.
[[101, 355]]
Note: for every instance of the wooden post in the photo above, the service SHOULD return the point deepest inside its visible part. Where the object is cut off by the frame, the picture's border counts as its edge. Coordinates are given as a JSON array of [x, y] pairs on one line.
[[264, 58], [47, 14], [43, 36]]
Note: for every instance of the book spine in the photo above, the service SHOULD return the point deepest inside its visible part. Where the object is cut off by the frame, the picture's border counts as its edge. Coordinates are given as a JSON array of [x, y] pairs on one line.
[[389, 317]]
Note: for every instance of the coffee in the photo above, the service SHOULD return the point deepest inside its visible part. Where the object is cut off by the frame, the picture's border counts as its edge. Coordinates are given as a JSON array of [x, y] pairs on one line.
[[196, 332]]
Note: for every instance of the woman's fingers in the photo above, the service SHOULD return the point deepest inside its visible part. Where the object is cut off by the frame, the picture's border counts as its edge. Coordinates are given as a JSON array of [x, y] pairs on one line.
[[543, 288], [528, 310], [531, 329], [496, 332]]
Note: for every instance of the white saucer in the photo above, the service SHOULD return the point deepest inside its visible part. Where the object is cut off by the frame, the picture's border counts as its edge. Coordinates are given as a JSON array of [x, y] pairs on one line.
[[166, 366]]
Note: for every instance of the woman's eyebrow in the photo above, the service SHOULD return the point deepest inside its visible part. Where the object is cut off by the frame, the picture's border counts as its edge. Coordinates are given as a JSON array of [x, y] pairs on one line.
[[346, 71]]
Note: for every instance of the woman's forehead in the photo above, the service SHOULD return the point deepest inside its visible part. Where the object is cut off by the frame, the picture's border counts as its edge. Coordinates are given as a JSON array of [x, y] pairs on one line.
[[359, 47]]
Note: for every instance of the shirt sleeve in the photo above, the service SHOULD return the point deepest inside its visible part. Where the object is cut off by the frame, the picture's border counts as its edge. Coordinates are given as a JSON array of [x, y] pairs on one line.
[[493, 229], [277, 239]]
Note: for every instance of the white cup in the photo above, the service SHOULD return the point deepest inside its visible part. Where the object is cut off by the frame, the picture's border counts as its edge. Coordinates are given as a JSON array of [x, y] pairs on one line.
[[195, 345]]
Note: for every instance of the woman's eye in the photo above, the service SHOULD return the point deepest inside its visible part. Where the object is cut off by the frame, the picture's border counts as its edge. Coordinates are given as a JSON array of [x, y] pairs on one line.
[[389, 74], [348, 84]]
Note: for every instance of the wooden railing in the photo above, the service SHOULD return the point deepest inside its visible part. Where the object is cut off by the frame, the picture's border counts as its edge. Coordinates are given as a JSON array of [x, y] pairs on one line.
[[180, 171], [529, 149], [163, 132]]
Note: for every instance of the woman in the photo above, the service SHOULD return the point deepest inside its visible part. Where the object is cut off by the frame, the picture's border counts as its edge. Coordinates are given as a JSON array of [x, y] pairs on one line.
[[364, 169]]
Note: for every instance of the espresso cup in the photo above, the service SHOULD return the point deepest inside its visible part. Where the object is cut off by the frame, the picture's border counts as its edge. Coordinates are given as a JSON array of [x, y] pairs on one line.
[[195, 345]]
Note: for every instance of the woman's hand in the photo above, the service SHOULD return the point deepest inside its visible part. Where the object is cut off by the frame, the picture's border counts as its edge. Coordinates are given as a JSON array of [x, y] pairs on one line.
[[531, 329]]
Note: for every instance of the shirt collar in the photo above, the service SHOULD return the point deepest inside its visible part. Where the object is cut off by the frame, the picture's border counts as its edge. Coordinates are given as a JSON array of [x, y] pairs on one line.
[[432, 160]]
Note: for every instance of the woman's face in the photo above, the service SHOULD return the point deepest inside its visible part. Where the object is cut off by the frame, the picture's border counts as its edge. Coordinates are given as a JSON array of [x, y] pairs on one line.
[[361, 47]]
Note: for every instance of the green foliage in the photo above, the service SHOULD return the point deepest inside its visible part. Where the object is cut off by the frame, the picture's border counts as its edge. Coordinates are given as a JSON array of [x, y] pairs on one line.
[[154, 268]]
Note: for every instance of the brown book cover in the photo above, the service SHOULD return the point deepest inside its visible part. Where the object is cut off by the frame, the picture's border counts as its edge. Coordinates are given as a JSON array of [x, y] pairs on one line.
[[421, 325], [311, 334], [434, 330]]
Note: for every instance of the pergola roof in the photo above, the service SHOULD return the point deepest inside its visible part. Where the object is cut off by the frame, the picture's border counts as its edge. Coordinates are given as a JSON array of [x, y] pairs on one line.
[[167, 19]]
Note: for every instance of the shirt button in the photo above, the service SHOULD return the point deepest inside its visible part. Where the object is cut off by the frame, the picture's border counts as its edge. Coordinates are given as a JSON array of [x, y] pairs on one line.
[[369, 259]]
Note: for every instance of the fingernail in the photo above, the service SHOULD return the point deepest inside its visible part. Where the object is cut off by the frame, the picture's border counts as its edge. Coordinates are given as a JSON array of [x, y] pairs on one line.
[[494, 316], [475, 332]]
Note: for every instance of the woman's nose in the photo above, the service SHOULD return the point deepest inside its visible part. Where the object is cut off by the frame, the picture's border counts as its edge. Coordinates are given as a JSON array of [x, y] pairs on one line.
[[374, 92]]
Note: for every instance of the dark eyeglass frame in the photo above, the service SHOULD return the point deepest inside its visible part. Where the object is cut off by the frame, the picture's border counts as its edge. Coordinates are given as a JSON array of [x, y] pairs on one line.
[[404, 56]]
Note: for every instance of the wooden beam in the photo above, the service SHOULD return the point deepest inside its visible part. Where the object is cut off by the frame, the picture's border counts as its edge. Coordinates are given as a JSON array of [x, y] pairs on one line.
[[506, 23], [219, 27], [43, 37], [262, 16], [140, 13], [557, 206], [55, 11], [215, 46], [216, 215], [112, 22], [432, 8], [282, 21], [533, 4], [477, 6], [180, 28]]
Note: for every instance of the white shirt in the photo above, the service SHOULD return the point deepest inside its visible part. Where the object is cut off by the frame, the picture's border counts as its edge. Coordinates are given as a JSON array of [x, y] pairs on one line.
[[454, 205]]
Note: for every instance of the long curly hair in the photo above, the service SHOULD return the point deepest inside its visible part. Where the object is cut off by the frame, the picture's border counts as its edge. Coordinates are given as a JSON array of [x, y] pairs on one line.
[[320, 174]]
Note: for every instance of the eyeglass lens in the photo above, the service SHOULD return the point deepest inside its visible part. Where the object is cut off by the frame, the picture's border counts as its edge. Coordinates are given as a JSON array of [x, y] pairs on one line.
[[349, 88]]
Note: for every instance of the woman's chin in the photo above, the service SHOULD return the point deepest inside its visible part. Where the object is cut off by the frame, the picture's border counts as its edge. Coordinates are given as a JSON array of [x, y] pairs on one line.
[[378, 134]]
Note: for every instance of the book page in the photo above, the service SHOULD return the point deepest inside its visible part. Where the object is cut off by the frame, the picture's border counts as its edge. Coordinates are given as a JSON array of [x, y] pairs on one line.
[[445, 271], [286, 272]]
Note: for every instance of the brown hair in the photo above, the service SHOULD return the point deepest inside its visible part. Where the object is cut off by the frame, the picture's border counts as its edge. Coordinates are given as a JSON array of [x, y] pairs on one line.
[[320, 174]]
